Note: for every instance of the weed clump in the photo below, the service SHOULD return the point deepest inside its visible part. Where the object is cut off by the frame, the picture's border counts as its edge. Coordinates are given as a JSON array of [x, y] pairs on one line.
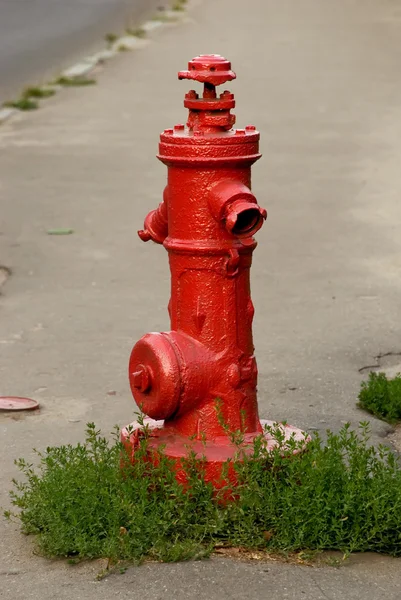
[[22, 103], [111, 38], [80, 503], [139, 32], [74, 81], [382, 397], [29, 98], [38, 92], [179, 5]]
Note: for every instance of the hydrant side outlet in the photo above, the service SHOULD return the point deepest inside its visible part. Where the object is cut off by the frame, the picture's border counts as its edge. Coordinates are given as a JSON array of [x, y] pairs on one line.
[[198, 381]]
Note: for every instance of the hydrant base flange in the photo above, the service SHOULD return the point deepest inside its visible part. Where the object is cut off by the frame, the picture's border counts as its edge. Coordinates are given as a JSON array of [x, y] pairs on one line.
[[214, 453]]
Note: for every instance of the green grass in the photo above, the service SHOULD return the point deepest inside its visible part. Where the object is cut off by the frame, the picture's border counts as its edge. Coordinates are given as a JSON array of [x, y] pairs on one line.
[[29, 97], [342, 495], [74, 81], [111, 38], [22, 104], [166, 18], [179, 5], [38, 92], [382, 397], [139, 32]]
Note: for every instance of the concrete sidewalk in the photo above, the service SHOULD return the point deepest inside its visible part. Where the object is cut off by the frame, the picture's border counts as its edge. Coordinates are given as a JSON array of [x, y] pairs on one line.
[[321, 82]]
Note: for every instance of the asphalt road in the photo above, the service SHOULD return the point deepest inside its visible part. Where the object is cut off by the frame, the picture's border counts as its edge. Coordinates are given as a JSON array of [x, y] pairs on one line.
[[39, 37]]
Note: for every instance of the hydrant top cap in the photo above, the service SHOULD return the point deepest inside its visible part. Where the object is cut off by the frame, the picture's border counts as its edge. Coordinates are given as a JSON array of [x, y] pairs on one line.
[[208, 68]]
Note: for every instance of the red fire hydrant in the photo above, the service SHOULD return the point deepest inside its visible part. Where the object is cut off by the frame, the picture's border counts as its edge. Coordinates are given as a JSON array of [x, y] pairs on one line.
[[197, 382]]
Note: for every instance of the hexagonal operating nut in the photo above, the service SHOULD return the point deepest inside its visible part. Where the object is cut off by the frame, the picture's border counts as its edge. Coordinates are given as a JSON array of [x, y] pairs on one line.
[[141, 378]]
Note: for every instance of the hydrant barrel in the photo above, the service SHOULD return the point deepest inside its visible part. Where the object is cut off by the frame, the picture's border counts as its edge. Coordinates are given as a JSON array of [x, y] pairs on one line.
[[206, 223]]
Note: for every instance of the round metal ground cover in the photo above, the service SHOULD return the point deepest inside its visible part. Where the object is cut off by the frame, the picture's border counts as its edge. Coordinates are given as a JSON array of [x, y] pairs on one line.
[[13, 403]]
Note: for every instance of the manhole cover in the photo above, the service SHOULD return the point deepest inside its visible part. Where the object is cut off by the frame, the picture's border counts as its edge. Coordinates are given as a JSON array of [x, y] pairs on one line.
[[15, 403]]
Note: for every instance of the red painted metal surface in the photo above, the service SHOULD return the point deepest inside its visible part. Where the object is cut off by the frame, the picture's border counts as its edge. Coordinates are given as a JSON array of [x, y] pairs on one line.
[[200, 377]]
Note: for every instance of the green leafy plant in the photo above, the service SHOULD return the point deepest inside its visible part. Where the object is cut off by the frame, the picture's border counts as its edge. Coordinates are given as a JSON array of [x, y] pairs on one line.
[[22, 103], [139, 32], [165, 18], [111, 38], [382, 397], [38, 92], [28, 99], [74, 81], [179, 5], [88, 500]]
